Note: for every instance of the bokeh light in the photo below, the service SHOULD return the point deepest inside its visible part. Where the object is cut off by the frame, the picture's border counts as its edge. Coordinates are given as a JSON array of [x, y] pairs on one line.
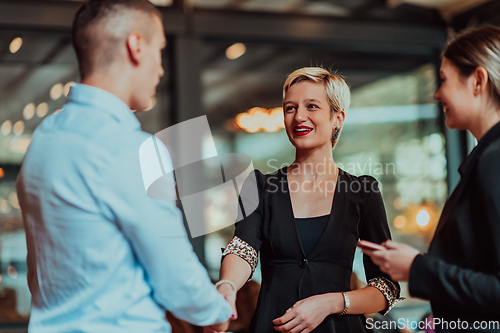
[[235, 51]]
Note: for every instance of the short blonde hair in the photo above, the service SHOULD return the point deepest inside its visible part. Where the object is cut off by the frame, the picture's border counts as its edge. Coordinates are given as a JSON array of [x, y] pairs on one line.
[[337, 91]]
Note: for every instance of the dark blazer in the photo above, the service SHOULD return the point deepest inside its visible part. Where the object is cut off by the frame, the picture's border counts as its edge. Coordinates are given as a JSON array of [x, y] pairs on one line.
[[288, 274], [460, 275]]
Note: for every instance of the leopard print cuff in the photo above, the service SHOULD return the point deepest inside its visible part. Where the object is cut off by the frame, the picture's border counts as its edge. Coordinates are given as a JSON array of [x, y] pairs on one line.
[[243, 250], [388, 289]]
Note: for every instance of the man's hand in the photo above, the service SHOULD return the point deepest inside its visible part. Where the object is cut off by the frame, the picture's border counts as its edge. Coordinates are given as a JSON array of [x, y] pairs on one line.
[[395, 260], [307, 314]]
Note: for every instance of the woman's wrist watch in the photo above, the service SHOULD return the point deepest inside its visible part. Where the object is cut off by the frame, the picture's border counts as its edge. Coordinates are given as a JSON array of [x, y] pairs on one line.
[[346, 304]]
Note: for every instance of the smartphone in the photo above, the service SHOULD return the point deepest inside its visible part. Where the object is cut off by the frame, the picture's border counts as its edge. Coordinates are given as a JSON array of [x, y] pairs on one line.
[[370, 245]]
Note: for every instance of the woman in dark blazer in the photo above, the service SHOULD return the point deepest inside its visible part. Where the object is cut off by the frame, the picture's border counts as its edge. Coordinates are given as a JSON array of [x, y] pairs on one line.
[[307, 220], [460, 274]]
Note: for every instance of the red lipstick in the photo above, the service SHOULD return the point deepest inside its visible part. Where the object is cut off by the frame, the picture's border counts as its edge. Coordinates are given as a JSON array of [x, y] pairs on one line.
[[302, 130]]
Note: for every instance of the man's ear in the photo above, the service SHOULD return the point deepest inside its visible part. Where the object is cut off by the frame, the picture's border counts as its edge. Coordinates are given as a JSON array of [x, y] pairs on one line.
[[134, 46]]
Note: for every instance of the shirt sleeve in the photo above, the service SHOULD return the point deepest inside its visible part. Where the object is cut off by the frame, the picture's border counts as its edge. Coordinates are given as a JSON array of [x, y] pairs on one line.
[[448, 284], [247, 238], [158, 238], [373, 227]]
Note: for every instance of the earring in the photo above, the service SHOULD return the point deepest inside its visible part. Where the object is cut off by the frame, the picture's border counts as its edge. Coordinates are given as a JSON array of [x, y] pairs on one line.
[[336, 133]]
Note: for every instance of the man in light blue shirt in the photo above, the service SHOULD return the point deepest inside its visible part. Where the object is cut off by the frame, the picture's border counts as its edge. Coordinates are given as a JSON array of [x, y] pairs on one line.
[[102, 255]]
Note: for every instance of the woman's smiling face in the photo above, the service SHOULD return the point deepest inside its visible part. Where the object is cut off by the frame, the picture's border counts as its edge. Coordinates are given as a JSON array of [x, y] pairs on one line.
[[456, 93], [308, 120]]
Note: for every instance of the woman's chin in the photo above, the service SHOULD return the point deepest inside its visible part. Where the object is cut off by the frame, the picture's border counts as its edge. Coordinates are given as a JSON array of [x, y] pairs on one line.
[[305, 146], [452, 124], [300, 145], [449, 122]]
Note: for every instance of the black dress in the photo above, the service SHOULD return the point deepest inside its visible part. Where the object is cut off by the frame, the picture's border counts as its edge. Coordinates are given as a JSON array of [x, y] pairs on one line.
[[288, 274]]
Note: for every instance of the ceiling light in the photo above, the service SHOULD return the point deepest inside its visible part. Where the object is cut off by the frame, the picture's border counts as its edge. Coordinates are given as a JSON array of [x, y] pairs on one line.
[[256, 119], [29, 111], [235, 51], [56, 91], [67, 87], [19, 127], [42, 109], [6, 127], [164, 3], [16, 44]]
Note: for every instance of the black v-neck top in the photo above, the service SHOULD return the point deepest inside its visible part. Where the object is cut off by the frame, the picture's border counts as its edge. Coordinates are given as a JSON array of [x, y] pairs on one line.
[[288, 273], [310, 230]]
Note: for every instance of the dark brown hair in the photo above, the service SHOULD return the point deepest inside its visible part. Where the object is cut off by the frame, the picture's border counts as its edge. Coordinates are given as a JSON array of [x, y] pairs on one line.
[[93, 45], [478, 47]]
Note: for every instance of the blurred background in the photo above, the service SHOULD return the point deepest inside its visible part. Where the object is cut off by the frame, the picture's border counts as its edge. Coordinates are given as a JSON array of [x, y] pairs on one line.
[[228, 59]]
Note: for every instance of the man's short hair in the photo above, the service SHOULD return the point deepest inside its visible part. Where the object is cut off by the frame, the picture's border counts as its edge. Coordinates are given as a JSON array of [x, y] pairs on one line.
[[101, 26]]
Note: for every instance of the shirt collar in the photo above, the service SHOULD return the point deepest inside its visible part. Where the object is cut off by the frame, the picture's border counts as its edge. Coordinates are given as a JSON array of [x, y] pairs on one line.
[[490, 136], [105, 101]]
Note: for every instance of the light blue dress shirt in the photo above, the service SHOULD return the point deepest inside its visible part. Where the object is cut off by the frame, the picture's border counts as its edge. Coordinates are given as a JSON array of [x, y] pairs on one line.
[[102, 255]]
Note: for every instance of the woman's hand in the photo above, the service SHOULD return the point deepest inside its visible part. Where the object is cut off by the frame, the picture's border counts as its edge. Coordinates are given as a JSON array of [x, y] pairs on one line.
[[227, 291], [229, 295], [307, 314], [396, 260]]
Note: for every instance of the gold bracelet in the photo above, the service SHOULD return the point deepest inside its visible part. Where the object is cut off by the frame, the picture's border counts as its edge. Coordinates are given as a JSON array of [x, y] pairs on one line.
[[346, 304], [229, 283]]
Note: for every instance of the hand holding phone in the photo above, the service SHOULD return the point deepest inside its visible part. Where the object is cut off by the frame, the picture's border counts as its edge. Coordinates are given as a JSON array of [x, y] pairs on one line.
[[363, 244]]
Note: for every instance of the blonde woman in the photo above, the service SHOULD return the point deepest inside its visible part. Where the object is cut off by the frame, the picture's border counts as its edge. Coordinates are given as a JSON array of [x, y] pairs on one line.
[[308, 220], [460, 274]]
